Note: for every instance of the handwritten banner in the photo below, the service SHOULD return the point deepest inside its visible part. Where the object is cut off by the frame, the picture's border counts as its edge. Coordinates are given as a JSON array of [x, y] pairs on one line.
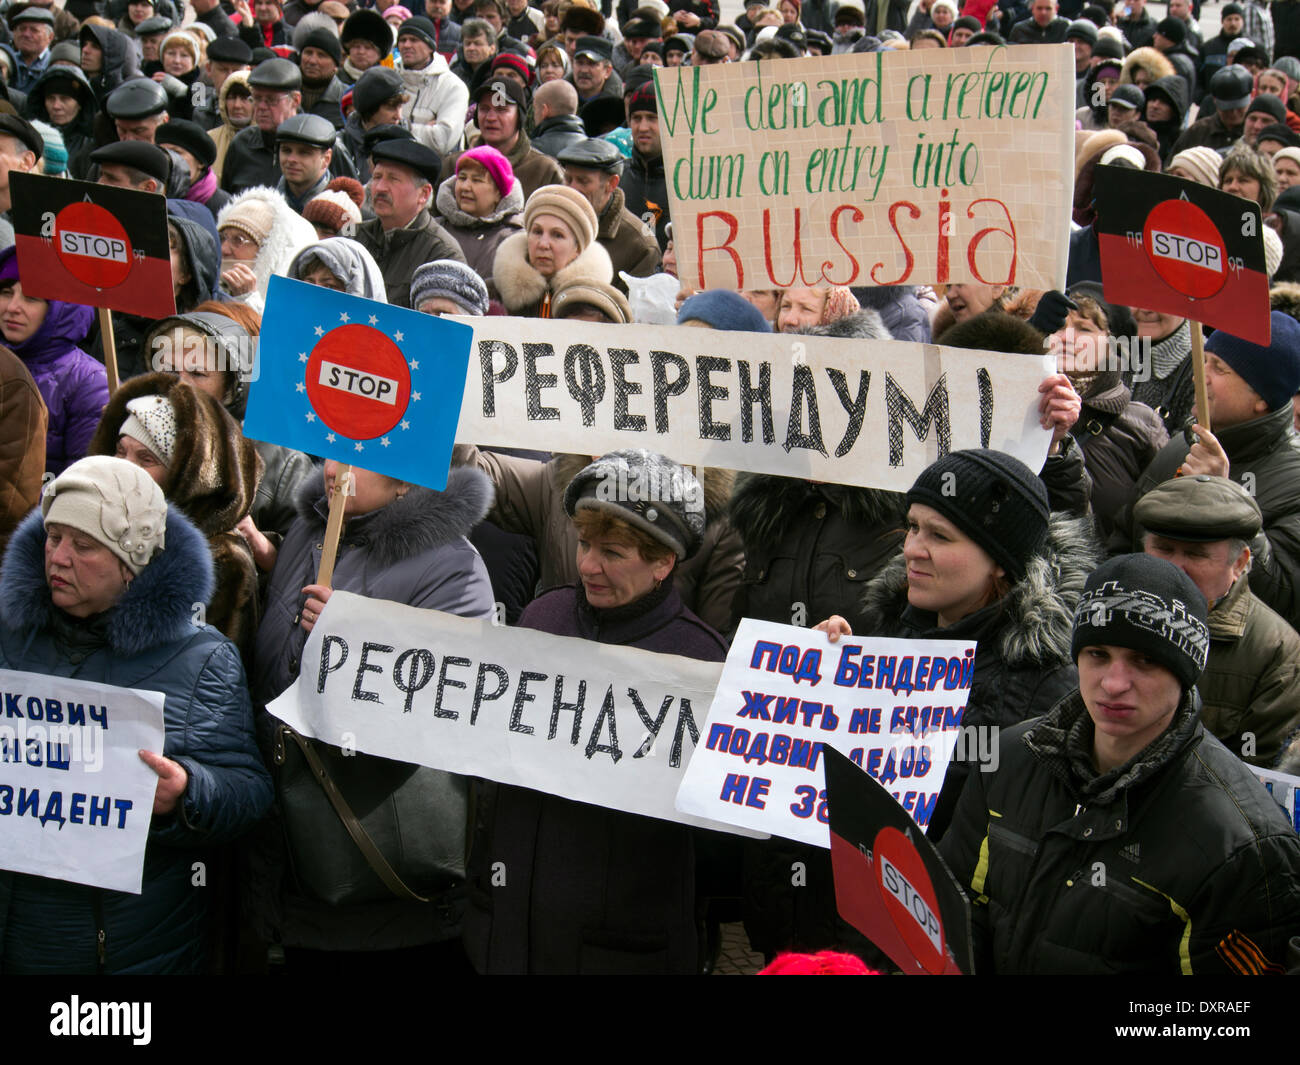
[[75, 798], [893, 706], [597, 723], [872, 413], [886, 168]]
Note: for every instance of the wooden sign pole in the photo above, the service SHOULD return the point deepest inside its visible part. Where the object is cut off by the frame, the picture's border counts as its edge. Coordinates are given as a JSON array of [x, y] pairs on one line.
[[334, 525], [1198, 376], [110, 347]]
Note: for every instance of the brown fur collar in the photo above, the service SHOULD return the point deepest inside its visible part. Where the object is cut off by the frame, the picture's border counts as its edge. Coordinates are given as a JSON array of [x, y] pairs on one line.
[[214, 471]]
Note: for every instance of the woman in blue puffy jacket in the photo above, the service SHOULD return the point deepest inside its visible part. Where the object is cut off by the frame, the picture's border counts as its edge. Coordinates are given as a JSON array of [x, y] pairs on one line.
[[101, 585]]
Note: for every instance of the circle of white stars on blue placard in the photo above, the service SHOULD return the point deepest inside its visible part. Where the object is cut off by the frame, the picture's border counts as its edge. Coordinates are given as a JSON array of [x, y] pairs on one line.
[[414, 364]]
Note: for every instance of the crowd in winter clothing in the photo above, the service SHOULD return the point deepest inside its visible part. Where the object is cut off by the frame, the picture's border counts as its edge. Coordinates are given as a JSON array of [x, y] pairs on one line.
[[488, 157]]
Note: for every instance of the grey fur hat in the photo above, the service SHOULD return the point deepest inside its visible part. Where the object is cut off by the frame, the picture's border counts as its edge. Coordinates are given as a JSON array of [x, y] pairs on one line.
[[650, 492]]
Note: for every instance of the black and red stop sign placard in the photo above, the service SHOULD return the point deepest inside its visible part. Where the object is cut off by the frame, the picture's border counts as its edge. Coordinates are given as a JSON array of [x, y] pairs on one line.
[[93, 244], [890, 882], [1182, 248]]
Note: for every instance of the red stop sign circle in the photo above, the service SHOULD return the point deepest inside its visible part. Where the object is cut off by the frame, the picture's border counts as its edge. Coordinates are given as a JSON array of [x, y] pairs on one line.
[[910, 899], [358, 381], [1185, 249], [92, 245]]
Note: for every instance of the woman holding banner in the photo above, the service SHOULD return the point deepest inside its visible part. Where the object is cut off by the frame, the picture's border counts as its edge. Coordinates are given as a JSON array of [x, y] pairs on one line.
[[984, 560], [309, 887], [101, 585], [593, 890]]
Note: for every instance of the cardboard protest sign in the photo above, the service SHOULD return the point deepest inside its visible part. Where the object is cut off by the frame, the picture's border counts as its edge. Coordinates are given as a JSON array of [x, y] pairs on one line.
[[75, 798], [1172, 245], [597, 723], [93, 244], [890, 883], [889, 168], [358, 381], [872, 413], [894, 706], [1285, 790]]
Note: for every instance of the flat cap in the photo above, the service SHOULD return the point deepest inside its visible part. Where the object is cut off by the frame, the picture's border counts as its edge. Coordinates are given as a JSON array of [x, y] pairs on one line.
[[137, 98], [308, 129], [376, 85], [1231, 87], [140, 155], [593, 154], [153, 24], [278, 74], [1200, 509], [24, 131], [375, 134], [32, 13], [594, 47], [409, 153], [230, 50], [181, 133], [1129, 96]]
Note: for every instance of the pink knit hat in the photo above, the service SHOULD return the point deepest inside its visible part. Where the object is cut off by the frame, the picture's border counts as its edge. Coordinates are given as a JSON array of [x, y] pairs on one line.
[[496, 164]]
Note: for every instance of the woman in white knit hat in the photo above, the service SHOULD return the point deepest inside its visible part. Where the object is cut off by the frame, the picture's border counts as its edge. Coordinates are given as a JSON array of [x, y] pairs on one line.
[[1198, 164], [557, 247], [1286, 165]]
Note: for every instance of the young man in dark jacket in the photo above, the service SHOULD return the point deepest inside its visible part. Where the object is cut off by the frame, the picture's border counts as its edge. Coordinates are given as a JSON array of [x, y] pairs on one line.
[[1117, 835]]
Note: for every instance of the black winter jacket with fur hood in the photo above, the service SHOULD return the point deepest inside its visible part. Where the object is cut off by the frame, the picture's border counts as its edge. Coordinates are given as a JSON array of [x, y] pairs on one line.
[[1022, 668]]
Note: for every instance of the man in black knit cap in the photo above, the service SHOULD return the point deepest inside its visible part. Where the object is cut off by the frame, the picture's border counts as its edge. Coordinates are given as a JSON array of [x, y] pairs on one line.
[[1116, 834]]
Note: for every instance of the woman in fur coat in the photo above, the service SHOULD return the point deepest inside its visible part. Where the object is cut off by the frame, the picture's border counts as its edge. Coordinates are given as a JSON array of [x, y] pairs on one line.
[[194, 450], [558, 246]]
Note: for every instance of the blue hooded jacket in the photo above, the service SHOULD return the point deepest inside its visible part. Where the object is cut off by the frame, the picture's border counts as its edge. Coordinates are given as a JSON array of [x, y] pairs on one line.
[[148, 640]]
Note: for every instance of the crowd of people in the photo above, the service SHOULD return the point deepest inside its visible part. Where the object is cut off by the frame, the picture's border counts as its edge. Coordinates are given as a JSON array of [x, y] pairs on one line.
[[1135, 601]]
